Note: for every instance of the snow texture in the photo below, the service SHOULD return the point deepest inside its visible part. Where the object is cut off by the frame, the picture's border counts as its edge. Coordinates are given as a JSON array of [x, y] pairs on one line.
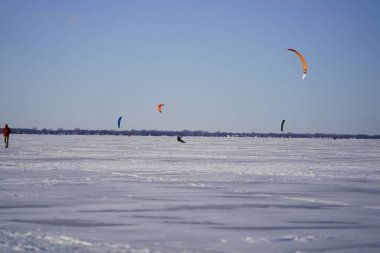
[[153, 194]]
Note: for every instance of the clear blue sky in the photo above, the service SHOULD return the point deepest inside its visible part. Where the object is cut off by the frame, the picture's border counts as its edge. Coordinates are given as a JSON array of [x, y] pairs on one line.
[[217, 65]]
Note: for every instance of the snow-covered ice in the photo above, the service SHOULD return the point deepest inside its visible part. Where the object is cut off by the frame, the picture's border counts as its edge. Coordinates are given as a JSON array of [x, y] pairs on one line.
[[152, 194]]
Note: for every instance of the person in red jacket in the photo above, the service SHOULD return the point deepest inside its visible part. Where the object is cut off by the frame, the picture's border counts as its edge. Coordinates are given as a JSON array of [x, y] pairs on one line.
[[6, 132]]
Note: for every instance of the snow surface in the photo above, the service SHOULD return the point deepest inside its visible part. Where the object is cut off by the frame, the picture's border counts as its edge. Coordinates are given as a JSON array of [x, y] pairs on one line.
[[153, 194]]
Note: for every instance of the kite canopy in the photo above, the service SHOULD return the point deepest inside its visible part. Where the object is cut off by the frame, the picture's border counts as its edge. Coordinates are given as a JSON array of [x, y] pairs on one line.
[[303, 62], [119, 121], [282, 125], [159, 107]]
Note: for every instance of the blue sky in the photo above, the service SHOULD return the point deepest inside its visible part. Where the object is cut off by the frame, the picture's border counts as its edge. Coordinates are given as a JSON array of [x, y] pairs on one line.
[[216, 65]]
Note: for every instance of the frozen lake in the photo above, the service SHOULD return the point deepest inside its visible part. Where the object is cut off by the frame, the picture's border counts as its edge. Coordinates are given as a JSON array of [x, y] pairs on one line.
[[152, 194]]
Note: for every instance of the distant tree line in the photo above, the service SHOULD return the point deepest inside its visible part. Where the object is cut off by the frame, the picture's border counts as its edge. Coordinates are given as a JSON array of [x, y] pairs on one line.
[[144, 132]]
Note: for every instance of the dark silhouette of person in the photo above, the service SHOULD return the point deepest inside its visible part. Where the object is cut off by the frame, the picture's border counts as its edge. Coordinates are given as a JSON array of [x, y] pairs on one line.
[[179, 139], [6, 132]]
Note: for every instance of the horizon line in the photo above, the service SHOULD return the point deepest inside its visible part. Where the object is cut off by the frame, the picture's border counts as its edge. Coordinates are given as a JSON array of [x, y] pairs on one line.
[[155, 132]]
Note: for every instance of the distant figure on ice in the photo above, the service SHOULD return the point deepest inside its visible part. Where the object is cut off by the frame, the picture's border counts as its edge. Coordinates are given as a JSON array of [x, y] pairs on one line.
[[6, 133], [179, 139]]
